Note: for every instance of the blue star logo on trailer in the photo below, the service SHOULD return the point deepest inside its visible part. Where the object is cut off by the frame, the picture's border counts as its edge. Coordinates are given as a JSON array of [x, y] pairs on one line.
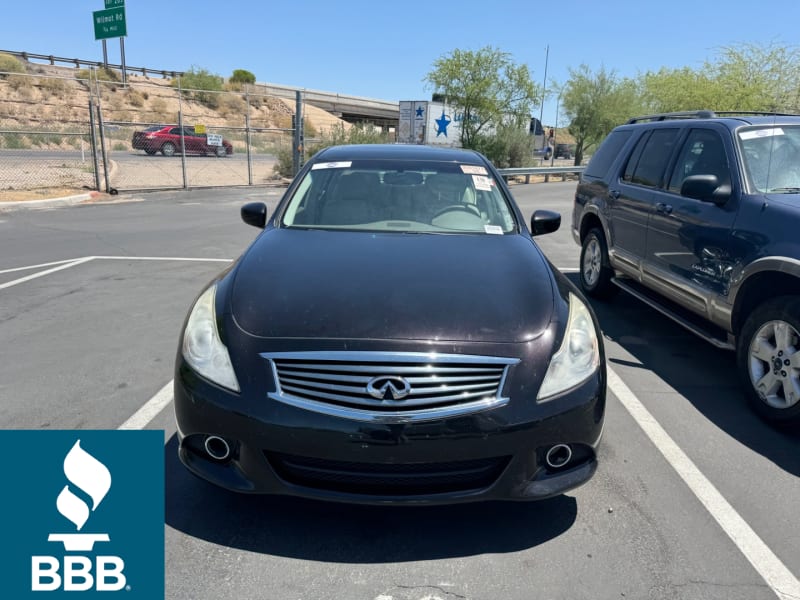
[[441, 124], [419, 111]]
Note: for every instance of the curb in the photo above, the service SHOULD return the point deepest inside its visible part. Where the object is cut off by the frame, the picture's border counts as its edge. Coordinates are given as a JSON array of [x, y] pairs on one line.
[[51, 202]]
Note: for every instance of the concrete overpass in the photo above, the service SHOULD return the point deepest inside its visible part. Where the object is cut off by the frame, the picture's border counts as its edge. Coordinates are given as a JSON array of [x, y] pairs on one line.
[[354, 109]]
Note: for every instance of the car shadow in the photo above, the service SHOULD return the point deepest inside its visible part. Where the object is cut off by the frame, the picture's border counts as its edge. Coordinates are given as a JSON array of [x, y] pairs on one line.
[[334, 532], [707, 377]]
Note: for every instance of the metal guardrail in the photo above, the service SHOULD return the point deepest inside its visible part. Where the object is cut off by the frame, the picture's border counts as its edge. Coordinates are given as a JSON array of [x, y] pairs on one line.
[[78, 62], [546, 171]]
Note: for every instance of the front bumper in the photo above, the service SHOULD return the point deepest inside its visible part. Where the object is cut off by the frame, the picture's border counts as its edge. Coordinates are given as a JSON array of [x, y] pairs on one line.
[[496, 454]]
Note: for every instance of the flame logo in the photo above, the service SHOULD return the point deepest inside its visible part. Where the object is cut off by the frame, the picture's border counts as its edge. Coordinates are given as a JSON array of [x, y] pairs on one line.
[[89, 475]]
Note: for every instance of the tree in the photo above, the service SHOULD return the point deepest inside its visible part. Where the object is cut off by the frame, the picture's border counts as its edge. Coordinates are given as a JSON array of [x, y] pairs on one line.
[[758, 77], [595, 103], [241, 76], [486, 87], [748, 77], [671, 90]]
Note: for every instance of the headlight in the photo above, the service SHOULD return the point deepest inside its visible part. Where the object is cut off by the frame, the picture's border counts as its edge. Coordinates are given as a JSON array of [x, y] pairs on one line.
[[579, 354], [202, 348]]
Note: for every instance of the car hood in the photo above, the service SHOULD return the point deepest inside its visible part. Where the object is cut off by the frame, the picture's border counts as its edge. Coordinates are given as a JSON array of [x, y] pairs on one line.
[[296, 283]]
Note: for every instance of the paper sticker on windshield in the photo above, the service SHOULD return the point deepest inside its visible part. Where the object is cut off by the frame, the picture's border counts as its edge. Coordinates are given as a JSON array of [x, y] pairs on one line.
[[342, 164], [473, 170], [493, 229], [760, 133], [483, 183]]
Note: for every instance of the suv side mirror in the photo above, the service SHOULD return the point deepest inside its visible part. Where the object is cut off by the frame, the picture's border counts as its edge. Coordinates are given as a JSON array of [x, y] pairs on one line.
[[545, 221], [255, 214], [705, 188]]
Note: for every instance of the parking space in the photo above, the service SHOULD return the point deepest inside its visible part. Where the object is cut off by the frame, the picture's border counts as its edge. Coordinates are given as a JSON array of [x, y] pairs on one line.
[[90, 343], [93, 340]]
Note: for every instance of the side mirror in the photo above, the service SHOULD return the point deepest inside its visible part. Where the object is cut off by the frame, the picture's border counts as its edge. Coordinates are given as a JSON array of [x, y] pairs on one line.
[[545, 221], [255, 214], [705, 188]]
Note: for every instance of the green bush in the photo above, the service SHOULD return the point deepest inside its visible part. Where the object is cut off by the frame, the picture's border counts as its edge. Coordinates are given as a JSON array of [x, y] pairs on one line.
[[508, 147], [285, 165], [242, 76], [9, 64], [200, 85]]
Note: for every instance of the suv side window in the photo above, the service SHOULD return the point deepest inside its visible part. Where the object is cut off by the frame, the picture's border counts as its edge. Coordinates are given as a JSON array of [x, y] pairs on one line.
[[609, 150], [649, 159], [702, 154]]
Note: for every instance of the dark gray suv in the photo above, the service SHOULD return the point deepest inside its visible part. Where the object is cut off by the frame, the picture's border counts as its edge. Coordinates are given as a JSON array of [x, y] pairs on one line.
[[698, 215]]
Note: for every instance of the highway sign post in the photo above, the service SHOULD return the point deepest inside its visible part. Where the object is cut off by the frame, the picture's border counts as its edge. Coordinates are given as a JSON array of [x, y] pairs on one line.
[[110, 23]]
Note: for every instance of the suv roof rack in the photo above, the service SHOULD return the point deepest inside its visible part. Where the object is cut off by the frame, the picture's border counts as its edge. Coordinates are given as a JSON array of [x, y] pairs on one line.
[[691, 114], [708, 114]]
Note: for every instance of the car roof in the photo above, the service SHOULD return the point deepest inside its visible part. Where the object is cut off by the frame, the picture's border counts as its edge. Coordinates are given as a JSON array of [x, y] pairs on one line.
[[399, 152]]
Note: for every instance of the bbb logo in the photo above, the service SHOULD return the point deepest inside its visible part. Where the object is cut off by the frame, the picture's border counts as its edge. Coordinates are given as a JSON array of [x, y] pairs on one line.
[[91, 477], [85, 511]]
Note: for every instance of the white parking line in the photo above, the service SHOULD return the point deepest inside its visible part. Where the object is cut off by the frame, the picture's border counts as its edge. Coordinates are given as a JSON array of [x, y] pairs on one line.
[[142, 417], [74, 263], [178, 258], [47, 264], [772, 570]]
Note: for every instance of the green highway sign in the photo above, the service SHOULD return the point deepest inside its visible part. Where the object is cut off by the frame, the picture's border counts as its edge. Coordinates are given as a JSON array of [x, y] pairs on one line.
[[114, 3], [109, 23]]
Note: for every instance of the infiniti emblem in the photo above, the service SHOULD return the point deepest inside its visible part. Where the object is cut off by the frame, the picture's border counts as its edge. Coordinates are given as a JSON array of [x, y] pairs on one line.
[[387, 387]]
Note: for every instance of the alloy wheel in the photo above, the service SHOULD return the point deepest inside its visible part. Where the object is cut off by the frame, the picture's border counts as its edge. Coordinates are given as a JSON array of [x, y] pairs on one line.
[[774, 364], [592, 262]]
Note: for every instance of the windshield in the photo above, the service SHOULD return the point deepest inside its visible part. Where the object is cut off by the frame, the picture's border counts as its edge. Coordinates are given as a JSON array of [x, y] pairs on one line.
[[771, 158], [400, 196]]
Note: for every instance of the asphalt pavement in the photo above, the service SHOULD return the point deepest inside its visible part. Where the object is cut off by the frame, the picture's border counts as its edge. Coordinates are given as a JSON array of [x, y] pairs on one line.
[[694, 497]]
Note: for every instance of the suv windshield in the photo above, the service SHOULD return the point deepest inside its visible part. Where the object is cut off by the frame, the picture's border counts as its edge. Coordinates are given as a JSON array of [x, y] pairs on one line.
[[400, 196], [771, 157]]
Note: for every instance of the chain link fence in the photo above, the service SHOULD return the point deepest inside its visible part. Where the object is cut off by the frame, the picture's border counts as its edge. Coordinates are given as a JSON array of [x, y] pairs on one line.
[[66, 133]]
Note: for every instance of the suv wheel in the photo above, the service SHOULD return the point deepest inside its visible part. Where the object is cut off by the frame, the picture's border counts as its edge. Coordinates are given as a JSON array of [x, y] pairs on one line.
[[596, 272], [768, 355]]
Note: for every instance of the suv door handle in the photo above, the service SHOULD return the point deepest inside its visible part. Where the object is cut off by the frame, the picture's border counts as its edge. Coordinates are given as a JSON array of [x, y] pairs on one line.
[[614, 194], [664, 208]]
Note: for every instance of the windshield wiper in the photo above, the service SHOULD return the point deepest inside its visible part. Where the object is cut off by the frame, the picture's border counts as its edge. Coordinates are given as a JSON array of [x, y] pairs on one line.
[[785, 190]]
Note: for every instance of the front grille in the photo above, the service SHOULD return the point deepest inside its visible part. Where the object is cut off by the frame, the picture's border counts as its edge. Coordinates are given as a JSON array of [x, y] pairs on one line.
[[411, 385], [404, 479]]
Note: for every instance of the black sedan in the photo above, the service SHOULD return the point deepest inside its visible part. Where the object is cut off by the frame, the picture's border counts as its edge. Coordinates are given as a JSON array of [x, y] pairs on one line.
[[394, 335]]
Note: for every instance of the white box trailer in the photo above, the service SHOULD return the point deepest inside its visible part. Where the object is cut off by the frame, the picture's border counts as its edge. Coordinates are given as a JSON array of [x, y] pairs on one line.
[[427, 122], [437, 124]]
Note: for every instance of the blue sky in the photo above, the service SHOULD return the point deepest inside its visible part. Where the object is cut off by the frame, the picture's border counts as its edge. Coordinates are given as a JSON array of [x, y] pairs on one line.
[[385, 49]]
